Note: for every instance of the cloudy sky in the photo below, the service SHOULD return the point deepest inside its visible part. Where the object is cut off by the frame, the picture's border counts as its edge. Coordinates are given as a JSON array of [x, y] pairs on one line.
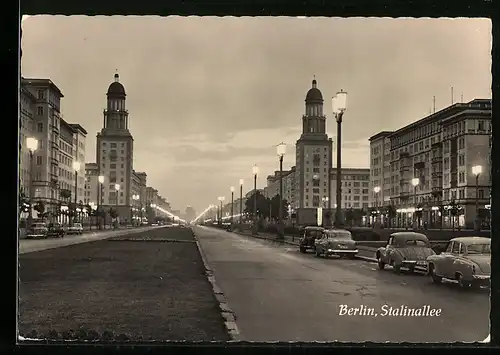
[[210, 97]]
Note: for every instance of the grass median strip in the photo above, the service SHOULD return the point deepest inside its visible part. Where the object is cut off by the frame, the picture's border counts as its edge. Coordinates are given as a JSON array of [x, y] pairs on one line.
[[136, 291]]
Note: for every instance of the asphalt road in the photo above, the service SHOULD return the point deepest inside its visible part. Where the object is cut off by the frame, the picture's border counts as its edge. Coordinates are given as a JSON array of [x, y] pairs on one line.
[[279, 294]]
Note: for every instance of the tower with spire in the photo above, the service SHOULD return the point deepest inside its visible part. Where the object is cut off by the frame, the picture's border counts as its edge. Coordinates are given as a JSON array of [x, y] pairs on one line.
[[114, 151], [313, 157]]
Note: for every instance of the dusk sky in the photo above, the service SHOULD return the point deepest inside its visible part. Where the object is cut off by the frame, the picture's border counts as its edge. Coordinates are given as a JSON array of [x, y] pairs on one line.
[[210, 97]]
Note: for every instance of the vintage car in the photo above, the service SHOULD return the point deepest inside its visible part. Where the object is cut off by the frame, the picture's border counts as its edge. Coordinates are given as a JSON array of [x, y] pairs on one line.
[[55, 230], [311, 233], [405, 250], [37, 230], [466, 260], [76, 228], [336, 242]]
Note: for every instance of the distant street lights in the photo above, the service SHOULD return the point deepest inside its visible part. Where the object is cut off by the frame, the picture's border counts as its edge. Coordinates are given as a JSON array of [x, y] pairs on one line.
[[376, 190], [415, 182], [136, 198], [76, 168], [241, 200], [232, 203], [477, 170], [221, 199], [255, 172], [339, 106], [281, 150], [32, 145], [99, 200], [117, 189]]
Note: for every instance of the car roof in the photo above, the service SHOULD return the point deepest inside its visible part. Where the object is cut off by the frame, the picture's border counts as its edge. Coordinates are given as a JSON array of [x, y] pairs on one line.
[[409, 235], [472, 240]]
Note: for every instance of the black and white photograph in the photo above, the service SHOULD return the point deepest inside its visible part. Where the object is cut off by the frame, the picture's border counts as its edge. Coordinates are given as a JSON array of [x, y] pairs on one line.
[[255, 179]]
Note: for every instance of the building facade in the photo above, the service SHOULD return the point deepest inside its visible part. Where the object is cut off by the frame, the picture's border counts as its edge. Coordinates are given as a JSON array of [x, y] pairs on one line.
[[91, 184], [27, 108], [355, 184], [115, 150], [431, 166], [380, 169]]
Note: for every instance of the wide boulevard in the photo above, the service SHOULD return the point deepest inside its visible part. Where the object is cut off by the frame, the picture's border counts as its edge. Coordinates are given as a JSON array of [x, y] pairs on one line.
[[279, 294]]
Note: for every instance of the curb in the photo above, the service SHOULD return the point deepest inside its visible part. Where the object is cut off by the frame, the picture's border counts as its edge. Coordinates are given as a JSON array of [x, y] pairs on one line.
[[226, 312], [367, 258]]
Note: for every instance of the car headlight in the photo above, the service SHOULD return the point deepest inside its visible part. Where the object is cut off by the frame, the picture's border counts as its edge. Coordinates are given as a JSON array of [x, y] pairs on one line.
[[473, 269]]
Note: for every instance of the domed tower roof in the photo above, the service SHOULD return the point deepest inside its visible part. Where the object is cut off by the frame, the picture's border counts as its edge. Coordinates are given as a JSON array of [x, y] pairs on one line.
[[314, 94], [116, 89]]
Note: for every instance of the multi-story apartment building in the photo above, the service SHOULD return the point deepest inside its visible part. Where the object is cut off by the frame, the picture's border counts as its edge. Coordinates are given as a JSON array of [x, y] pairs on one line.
[[438, 153], [27, 107], [380, 169], [46, 125], [79, 138], [91, 184], [355, 188]]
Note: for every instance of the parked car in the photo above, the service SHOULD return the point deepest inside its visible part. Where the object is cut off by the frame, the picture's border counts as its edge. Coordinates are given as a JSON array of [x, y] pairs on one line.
[[76, 228], [55, 230], [336, 242], [309, 236], [37, 230], [405, 250], [466, 260]]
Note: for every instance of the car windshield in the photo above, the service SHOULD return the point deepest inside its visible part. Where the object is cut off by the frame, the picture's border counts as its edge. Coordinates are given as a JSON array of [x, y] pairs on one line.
[[38, 225], [479, 249], [77, 225], [415, 243]]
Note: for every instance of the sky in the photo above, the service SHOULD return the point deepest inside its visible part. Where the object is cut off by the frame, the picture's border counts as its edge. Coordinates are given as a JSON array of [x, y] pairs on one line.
[[209, 97]]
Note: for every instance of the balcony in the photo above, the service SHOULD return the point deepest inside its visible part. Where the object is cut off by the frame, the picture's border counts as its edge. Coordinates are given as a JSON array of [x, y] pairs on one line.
[[419, 165], [435, 160], [54, 161], [436, 174], [404, 169], [436, 145], [404, 155]]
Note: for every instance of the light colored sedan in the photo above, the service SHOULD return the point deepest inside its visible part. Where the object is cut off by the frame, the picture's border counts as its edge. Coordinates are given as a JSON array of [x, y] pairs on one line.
[[76, 228], [408, 250], [336, 242], [466, 260]]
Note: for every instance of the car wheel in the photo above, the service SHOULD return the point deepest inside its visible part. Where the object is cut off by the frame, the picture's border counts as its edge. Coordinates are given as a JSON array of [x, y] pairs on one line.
[[352, 256], [317, 253], [435, 278], [381, 264], [411, 269], [302, 250], [462, 282]]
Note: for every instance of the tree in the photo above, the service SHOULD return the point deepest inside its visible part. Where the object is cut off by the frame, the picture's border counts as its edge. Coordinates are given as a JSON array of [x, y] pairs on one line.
[[262, 205], [65, 194], [113, 213], [40, 208], [350, 216], [454, 211], [275, 203]]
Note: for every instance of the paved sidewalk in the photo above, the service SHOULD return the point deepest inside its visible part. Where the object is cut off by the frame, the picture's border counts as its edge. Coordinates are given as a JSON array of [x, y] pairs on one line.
[[33, 245]]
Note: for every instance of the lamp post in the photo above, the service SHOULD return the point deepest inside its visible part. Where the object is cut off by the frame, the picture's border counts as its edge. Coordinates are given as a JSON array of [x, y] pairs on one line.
[[135, 198], [241, 200], [99, 200], [477, 170], [339, 105], [376, 190], [117, 189], [415, 182], [255, 172], [76, 168], [32, 145], [281, 150], [232, 202]]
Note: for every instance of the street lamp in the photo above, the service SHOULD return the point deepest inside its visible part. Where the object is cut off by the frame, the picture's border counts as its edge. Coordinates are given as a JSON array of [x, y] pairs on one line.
[[76, 168], [339, 106], [255, 172], [241, 200], [232, 202], [477, 170], [32, 145], [281, 150], [415, 182], [376, 190], [136, 198], [117, 189]]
